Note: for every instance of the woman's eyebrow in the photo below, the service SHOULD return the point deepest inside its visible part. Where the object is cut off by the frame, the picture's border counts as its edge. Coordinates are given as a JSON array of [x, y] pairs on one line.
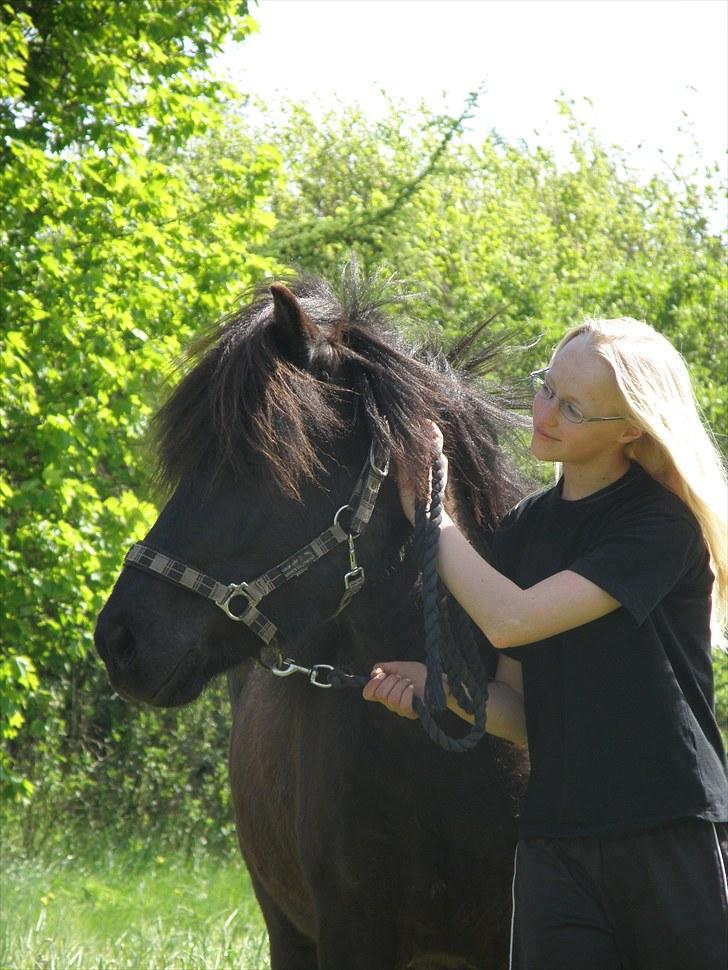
[[564, 397]]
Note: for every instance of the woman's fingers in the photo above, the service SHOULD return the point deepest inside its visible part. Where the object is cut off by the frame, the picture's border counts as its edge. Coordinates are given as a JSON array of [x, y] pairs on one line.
[[399, 697], [385, 688], [405, 484], [438, 444], [392, 690], [438, 441]]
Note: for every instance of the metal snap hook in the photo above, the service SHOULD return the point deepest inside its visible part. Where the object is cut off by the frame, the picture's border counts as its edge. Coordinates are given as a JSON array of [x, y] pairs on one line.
[[284, 668], [354, 579]]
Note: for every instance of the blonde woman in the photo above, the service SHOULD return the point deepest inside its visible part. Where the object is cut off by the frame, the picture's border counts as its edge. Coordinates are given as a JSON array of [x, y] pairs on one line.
[[600, 598]]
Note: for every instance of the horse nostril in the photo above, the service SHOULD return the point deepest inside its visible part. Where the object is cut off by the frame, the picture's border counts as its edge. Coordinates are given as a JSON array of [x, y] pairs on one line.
[[120, 645]]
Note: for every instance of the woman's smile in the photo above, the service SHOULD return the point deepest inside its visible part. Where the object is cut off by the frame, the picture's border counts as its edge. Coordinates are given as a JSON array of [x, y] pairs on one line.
[[543, 434]]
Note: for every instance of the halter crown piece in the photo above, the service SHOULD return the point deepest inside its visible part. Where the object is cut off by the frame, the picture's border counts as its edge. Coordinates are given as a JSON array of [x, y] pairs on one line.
[[250, 593]]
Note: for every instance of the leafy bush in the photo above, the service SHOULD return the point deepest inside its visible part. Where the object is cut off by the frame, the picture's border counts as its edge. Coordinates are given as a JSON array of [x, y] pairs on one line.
[[109, 263], [139, 195]]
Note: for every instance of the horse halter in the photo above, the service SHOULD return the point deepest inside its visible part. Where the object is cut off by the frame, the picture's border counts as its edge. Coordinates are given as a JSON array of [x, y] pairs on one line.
[[360, 506]]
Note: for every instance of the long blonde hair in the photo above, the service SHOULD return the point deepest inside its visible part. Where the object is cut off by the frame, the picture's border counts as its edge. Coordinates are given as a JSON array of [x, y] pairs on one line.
[[676, 447]]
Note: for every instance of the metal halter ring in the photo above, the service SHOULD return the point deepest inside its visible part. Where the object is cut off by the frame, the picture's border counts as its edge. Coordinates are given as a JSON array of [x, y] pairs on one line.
[[352, 535], [234, 590]]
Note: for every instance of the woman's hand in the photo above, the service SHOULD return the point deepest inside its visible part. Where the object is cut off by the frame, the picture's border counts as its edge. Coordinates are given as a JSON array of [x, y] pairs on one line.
[[395, 683], [404, 481]]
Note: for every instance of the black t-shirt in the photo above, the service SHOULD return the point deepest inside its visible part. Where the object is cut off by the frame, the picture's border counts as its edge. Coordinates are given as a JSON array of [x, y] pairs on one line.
[[620, 713]]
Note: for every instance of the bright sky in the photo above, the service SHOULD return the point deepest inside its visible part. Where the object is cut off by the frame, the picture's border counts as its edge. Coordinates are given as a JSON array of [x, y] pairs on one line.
[[642, 63]]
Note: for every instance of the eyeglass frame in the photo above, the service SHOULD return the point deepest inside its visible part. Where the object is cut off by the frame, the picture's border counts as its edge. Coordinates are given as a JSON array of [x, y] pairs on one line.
[[538, 383]]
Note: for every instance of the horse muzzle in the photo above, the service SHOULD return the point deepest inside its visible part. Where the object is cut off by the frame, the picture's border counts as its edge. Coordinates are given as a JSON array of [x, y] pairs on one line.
[[164, 681]]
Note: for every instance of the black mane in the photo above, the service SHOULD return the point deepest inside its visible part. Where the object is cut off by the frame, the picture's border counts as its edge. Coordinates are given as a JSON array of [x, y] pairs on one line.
[[246, 402]]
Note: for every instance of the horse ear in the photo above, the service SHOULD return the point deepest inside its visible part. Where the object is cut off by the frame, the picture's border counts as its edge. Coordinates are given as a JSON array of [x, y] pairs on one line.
[[294, 331]]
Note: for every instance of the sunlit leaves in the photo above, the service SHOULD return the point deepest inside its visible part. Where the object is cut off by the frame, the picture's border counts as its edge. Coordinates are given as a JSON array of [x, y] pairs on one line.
[[505, 226], [108, 263]]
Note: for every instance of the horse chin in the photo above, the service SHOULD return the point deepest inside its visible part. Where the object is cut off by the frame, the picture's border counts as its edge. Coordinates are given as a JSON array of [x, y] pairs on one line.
[[183, 685]]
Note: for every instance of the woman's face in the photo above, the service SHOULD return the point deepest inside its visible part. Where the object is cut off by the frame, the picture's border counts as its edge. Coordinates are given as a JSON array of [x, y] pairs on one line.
[[578, 375]]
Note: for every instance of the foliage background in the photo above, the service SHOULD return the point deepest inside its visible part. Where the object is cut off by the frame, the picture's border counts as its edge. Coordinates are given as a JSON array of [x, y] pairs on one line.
[[139, 197]]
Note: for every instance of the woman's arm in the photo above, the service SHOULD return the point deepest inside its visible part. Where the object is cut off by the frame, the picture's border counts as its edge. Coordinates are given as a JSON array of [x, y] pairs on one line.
[[505, 716], [508, 615], [395, 683]]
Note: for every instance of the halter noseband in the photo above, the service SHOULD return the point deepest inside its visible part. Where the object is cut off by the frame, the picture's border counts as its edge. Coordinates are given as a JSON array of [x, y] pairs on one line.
[[360, 505]]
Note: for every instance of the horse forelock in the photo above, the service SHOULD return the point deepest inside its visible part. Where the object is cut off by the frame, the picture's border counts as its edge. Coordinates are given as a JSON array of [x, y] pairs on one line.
[[244, 404]]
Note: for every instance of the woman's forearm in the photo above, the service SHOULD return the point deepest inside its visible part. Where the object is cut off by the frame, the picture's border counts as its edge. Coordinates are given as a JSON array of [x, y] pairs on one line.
[[494, 602], [508, 615], [505, 716]]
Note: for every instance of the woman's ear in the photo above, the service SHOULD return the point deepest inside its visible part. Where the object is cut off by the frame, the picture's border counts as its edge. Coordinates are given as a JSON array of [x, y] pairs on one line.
[[630, 434]]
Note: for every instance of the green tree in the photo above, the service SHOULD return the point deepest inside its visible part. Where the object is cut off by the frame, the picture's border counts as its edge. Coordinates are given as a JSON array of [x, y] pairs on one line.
[[504, 226], [109, 261]]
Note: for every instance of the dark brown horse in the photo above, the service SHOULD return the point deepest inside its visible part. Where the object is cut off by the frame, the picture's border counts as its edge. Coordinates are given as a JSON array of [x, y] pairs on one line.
[[368, 846]]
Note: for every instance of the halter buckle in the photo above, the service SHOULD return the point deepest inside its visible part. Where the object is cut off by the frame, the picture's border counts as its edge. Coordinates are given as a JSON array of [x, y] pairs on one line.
[[381, 472]]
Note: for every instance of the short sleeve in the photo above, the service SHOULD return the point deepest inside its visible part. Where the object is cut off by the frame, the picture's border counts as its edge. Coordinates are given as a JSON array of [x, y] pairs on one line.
[[502, 546], [642, 558]]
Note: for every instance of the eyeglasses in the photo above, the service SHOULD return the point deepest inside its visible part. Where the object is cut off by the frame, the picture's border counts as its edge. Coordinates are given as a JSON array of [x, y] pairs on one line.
[[570, 411]]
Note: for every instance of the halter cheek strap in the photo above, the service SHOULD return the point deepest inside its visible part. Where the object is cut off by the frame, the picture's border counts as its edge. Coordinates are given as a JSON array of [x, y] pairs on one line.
[[361, 506]]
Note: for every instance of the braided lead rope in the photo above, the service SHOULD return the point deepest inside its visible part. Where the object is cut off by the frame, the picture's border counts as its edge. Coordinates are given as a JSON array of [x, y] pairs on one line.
[[475, 676], [344, 678], [433, 594], [444, 652]]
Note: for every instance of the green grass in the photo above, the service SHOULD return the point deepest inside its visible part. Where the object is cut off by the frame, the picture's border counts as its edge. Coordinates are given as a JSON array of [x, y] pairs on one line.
[[129, 907]]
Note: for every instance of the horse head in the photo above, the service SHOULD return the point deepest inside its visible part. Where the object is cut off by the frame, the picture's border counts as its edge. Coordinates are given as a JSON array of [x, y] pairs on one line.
[[262, 443]]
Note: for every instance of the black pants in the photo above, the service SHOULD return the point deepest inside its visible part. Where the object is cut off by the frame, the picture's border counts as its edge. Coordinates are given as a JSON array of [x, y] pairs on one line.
[[657, 900]]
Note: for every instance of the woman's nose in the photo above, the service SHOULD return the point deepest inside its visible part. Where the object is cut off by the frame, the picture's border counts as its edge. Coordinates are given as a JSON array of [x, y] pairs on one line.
[[546, 409]]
